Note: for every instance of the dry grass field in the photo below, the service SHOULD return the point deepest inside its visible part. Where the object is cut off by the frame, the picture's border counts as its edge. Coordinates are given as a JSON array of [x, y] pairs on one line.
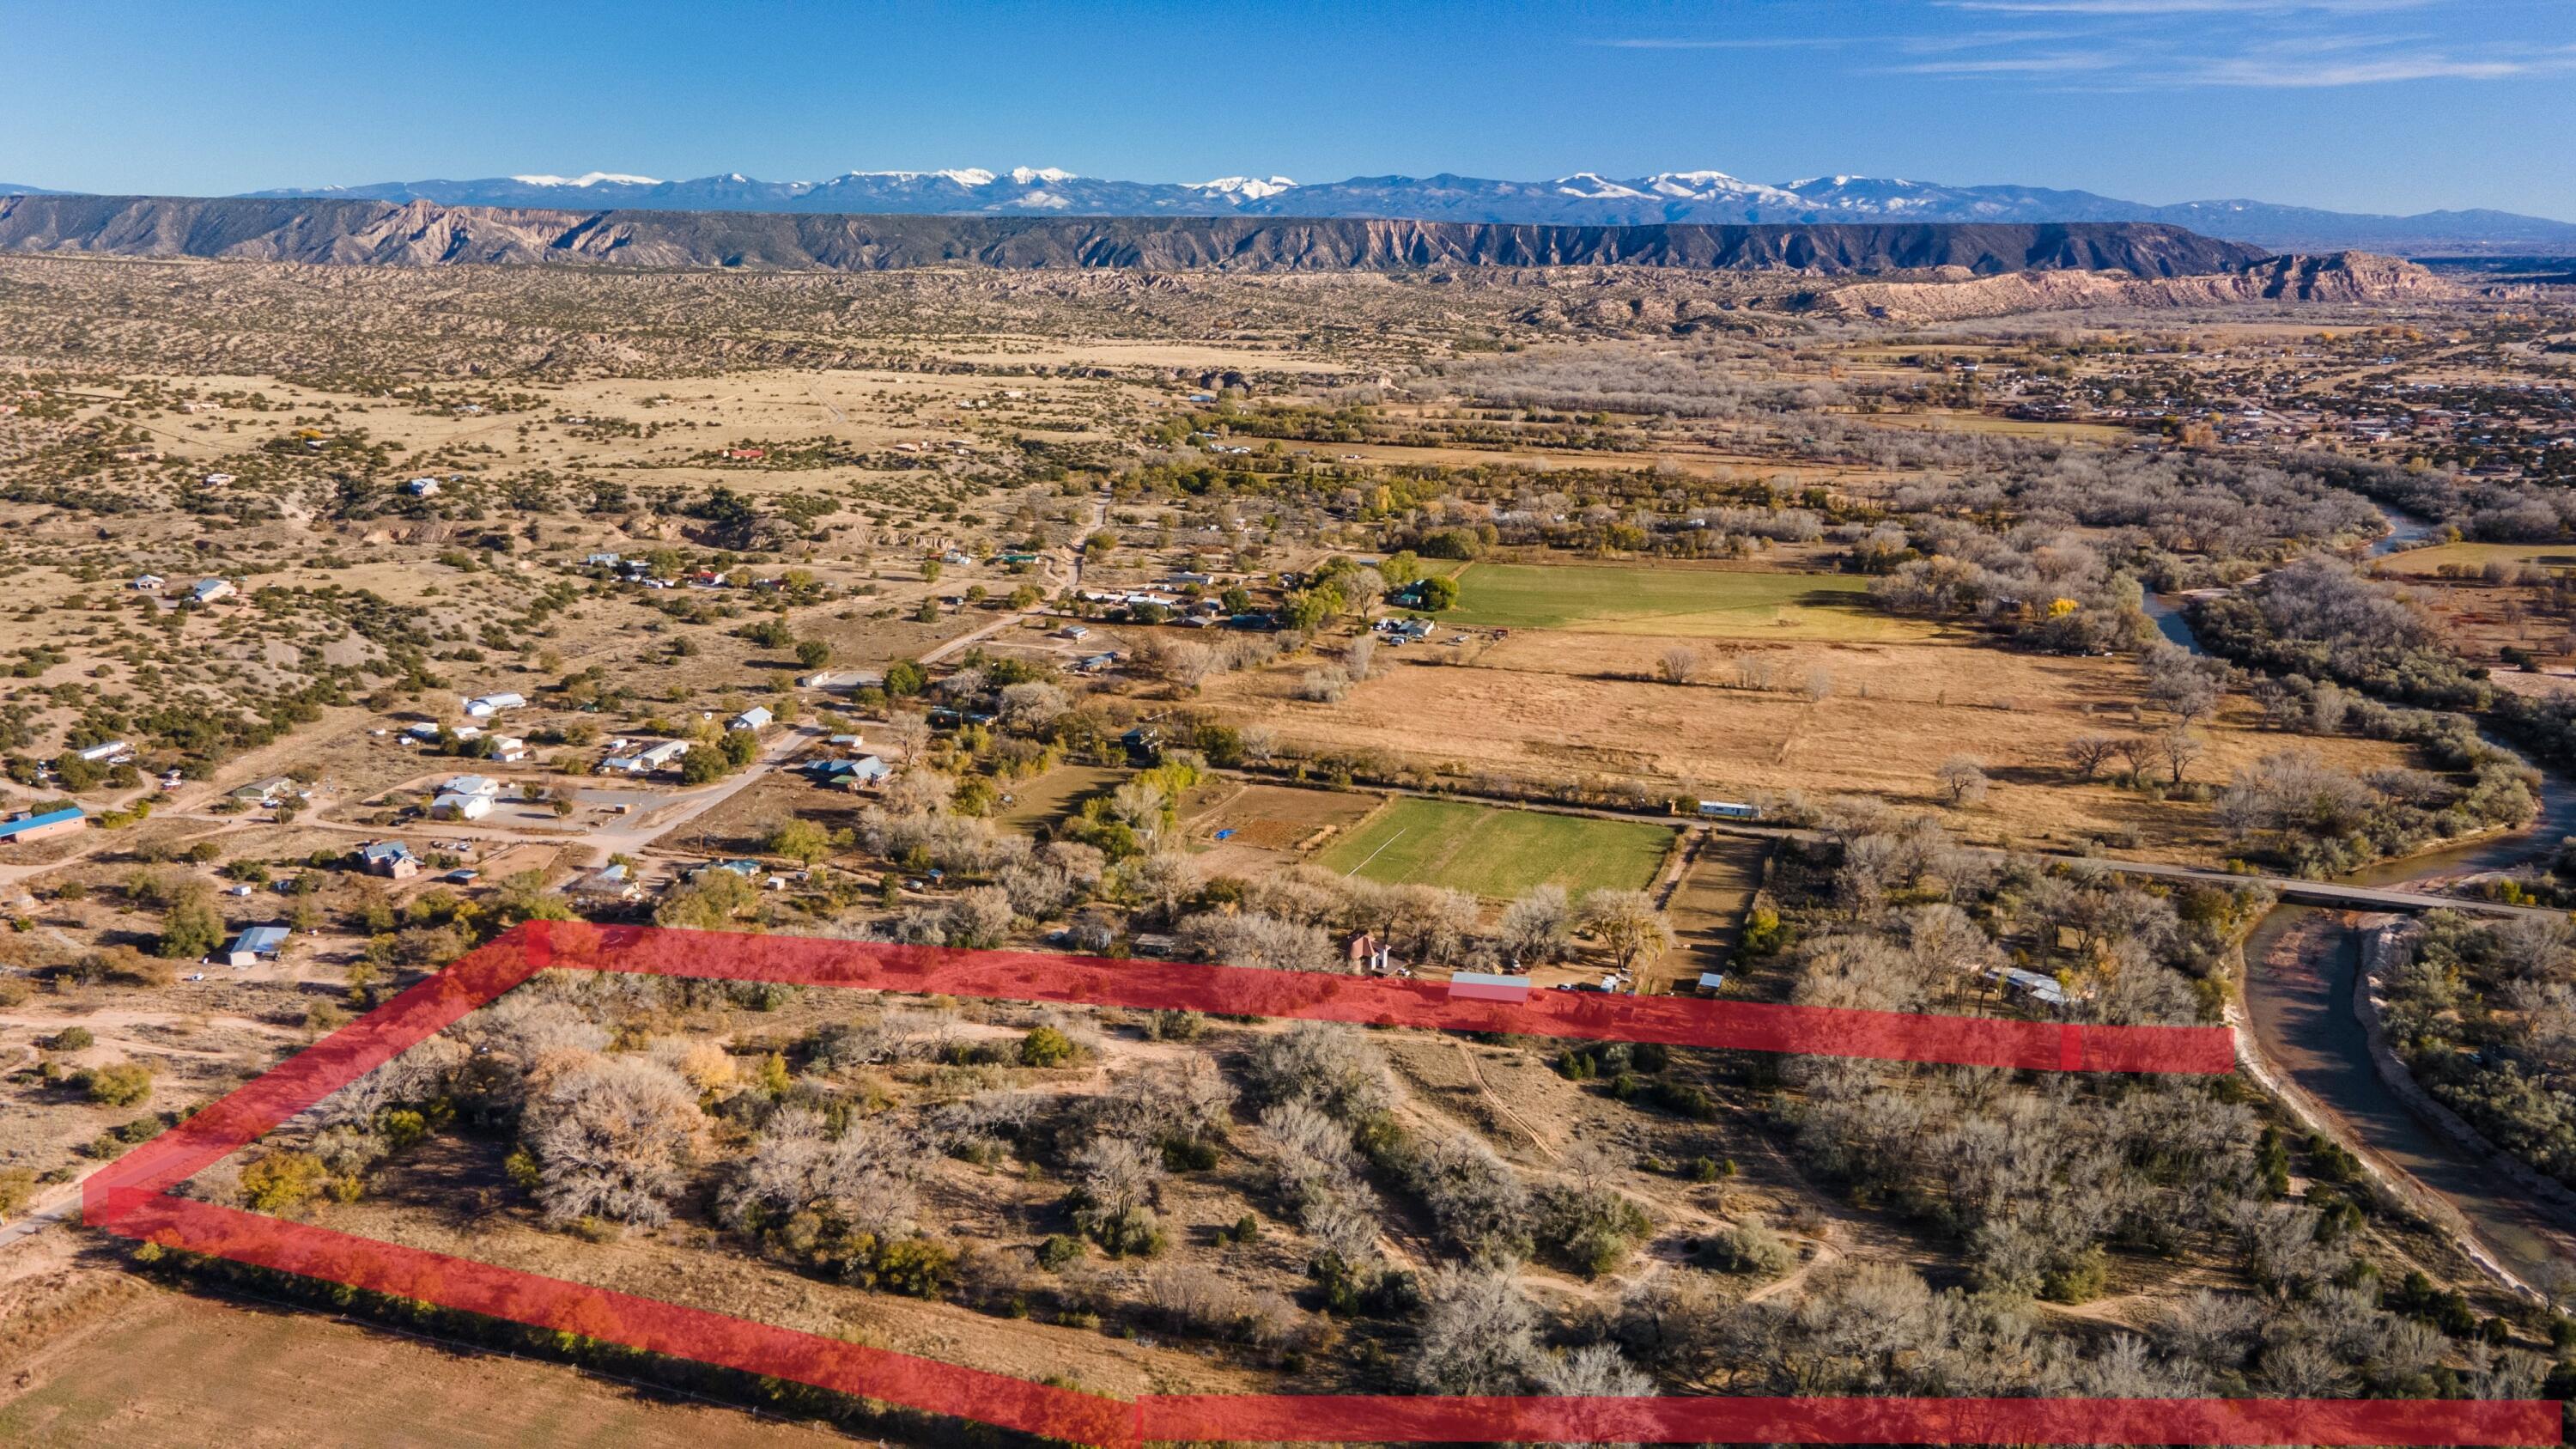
[[1268, 827], [176, 1369], [1052, 796], [1707, 908], [1546, 705]]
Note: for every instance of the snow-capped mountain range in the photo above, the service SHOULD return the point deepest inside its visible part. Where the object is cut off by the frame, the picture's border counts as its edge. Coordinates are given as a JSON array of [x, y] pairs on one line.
[[1582, 199]]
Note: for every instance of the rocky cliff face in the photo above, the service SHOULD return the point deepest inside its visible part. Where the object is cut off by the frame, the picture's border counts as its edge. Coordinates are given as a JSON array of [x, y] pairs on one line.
[[423, 233], [2335, 277]]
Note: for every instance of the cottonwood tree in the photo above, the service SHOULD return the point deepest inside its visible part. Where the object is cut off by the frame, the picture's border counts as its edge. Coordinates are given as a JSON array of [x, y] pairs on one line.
[[1534, 928], [909, 729], [1032, 705], [1479, 1334], [2090, 753], [2189, 685], [1249, 938], [2181, 747], [613, 1137], [1192, 665], [1159, 882], [1963, 779], [1333, 1067], [1481, 1204], [1188, 1099], [1358, 655], [1628, 924], [865, 1177], [1260, 743]]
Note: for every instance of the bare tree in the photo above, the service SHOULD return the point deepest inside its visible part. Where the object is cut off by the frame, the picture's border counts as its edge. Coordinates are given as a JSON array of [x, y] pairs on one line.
[[1032, 705], [1160, 881], [910, 730], [1191, 665], [1818, 686], [1533, 929], [1358, 655], [1260, 744], [1963, 779], [2137, 753], [1249, 938], [1479, 1334], [1593, 1371], [2091, 752], [2181, 746], [2187, 684], [1336, 1068], [1682, 664], [612, 1136], [865, 1176]]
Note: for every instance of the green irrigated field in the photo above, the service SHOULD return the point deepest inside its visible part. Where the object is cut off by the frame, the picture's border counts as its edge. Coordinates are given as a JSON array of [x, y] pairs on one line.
[[1498, 853], [1688, 602]]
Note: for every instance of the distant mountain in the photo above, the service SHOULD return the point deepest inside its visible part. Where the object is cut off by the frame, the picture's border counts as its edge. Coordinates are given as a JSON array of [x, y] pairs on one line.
[[1583, 199], [8, 189], [429, 233]]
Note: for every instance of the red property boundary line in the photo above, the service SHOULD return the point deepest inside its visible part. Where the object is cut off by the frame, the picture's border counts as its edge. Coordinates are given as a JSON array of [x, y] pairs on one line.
[[133, 1198], [1898, 1036]]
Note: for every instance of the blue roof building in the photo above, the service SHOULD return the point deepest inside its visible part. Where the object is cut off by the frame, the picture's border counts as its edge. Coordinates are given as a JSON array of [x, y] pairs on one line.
[[39, 826]]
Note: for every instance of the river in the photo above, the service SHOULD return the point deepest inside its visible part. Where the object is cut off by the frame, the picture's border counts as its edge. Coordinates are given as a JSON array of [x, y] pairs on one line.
[[2299, 1006]]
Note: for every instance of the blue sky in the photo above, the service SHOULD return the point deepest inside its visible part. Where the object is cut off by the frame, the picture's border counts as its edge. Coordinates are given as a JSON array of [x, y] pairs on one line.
[[2381, 105]]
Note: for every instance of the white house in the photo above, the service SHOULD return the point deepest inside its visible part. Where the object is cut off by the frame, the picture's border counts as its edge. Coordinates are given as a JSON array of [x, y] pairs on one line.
[[509, 749], [148, 583], [483, 785], [645, 761], [422, 488], [208, 591], [461, 807], [756, 717], [113, 752], [486, 706]]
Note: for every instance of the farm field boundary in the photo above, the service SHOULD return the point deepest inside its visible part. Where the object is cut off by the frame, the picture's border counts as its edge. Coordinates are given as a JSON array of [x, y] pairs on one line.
[[1497, 852], [136, 1198], [1672, 601]]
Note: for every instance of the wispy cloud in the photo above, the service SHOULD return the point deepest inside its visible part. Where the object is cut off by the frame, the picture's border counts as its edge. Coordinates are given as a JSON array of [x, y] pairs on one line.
[[2137, 45], [2295, 72], [2037, 63]]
